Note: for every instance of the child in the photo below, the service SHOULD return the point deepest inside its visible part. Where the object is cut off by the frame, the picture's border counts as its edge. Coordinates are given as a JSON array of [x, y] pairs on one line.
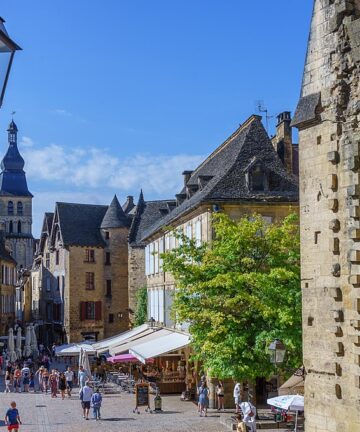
[[96, 400], [7, 382], [12, 417]]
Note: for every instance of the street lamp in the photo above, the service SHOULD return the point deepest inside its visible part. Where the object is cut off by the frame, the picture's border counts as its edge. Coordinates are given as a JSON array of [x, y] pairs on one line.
[[7, 52], [277, 352]]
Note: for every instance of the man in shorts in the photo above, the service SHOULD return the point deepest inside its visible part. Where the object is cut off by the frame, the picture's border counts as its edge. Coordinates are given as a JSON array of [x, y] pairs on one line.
[[69, 376], [85, 397], [12, 417]]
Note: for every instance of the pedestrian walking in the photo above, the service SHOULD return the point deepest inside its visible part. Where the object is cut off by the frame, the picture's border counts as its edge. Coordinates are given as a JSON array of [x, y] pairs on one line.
[[203, 393], [12, 417], [32, 382], [62, 385], [53, 382], [17, 379], [40, 378], [45, 379], [96, 400], [237, 396], [25, 375], [82, 376], [220, 395], [69, 376], [7, 382], [85, 397]]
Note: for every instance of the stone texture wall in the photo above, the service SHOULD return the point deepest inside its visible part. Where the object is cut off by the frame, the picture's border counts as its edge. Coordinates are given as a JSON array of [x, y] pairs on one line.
[[137, 277], [330, 211]]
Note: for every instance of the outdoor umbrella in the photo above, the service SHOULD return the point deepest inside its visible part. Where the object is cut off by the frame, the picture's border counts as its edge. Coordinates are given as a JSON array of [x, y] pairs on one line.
[[27, 347], [34, 344], [288, 402], [11, 346], [18, 343], [84, 361]]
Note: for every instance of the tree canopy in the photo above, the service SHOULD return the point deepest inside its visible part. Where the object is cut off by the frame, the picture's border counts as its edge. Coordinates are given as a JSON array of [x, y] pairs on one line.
[[141, 306], [239, 293]]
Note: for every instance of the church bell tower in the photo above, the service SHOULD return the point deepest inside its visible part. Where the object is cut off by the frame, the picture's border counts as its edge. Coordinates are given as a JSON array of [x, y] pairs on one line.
[[16, 203]]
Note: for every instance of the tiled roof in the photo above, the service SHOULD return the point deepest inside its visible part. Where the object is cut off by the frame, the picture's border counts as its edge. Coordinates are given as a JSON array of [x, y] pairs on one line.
[[222, 176], [115, 216], [146, 214], [80, 223]]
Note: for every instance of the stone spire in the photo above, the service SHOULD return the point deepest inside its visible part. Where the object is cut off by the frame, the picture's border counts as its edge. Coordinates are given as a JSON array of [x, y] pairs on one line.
[[12, 176], [115, 216]]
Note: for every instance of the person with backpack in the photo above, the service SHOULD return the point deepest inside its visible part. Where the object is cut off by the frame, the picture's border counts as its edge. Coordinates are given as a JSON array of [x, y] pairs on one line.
[[96, 400]]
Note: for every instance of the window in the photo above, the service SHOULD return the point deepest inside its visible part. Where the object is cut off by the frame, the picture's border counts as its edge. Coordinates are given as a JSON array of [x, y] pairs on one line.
[[10, 208], [90, 311], [57, 257], [198, 232], [111, 318], [49, 311], [48, 284], [11, 227], [19, 227], [89, 281], [258, 179], [19, 210], [189, 231], [58, 283], [47, 260], [156, 257], [89, 255], [108, 288], [147, 260], [107, 258], [57, 312], [107, 235]]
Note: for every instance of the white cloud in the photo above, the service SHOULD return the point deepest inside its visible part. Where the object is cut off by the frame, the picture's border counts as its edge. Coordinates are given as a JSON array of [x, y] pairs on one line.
[[26, 142], [97, 168], [63, 112]]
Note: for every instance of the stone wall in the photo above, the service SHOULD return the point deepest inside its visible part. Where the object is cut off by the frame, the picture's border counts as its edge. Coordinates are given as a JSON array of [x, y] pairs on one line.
[[137, 277], [327, 117]]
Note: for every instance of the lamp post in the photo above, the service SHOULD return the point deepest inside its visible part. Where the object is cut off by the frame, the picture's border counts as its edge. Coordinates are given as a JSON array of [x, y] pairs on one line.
[[277, 352], [7, 51]]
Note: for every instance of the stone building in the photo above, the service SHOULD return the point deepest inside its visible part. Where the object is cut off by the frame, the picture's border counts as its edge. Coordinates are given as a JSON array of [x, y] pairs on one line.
[[244, 175], [16, 203], [327, 117], [7, 288], [80, 273]]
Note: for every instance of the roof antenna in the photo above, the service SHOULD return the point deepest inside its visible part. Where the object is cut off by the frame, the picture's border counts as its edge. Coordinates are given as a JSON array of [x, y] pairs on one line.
[[262, 109], [12, 115]]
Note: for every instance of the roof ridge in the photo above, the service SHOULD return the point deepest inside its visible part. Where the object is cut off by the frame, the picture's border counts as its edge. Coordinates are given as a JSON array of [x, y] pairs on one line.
[[80, 204]]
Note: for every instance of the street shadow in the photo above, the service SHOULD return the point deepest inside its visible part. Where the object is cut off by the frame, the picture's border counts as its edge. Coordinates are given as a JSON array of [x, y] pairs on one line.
[[117, 419], [167, 412]]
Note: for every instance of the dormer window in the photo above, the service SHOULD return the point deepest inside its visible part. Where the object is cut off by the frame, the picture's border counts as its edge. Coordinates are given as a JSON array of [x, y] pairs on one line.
[[10, 208], [258, 179]]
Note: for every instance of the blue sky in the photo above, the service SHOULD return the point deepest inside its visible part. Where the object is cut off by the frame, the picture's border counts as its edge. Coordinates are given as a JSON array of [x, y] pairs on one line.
[[116, 95]]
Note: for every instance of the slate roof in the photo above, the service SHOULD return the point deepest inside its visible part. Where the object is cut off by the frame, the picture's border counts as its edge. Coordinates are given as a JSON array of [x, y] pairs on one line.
[[45, 231], [146, 214], [115, 216], [222, 176], [307, 110], [80, 223], [129, 205], [12, 176]]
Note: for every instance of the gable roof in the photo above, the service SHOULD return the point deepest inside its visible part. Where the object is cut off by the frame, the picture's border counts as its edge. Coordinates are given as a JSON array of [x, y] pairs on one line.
[[45, 231], [147, 213], [80, 223], [115, 216], [222, 176]]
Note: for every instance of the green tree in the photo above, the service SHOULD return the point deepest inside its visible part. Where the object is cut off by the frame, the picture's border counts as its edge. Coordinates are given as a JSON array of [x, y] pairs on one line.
[[240, 293], [141, 306]]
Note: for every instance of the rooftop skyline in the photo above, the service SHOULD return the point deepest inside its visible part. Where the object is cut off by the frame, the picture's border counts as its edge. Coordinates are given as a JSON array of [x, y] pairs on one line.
[[112, 99]]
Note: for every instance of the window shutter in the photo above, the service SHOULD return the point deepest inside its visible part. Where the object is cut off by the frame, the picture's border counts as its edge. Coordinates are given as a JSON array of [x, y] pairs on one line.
[[82, 311], [98, 307], [54, 312]]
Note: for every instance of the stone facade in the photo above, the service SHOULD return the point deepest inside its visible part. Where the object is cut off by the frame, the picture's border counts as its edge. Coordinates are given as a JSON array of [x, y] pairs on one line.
[[328, 120], [7, 289], [137, 276]]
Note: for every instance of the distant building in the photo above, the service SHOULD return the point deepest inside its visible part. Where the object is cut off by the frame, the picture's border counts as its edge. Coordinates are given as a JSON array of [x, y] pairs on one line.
[[244, 175], [80, 272]]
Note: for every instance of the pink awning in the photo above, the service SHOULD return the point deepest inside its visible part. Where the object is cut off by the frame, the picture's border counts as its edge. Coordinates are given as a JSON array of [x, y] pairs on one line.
[[125, 358]]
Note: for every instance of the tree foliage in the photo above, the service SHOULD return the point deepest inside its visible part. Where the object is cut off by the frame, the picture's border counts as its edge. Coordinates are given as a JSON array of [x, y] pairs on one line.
[[240, 293], [141, 306]]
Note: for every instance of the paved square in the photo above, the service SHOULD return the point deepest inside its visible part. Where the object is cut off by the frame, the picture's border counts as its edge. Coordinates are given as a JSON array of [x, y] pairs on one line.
[[41, 413]]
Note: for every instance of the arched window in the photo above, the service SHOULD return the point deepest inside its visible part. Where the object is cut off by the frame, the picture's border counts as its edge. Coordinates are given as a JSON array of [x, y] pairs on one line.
[[11, 227], [20, 208], [19, 227], [10, 208]]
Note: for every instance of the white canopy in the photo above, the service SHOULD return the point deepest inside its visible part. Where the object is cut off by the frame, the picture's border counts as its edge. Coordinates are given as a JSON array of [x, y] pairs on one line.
[[149, 335], [108, 343], [161, 344], [74, 349]]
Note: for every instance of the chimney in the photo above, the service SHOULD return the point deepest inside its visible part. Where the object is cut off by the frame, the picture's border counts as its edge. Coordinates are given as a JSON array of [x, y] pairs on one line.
[[282, 141], [187, 175]]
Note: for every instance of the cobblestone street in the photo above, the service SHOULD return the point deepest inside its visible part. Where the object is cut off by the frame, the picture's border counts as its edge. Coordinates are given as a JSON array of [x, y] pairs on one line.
[[41, 413]]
